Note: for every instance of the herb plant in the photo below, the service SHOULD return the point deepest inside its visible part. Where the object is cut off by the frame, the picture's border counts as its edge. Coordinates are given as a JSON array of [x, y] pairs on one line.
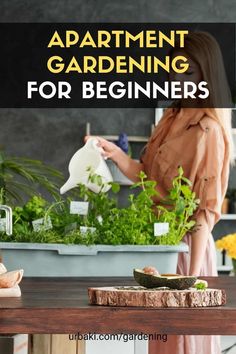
[[200, 286], [182, 204], [115, 226]]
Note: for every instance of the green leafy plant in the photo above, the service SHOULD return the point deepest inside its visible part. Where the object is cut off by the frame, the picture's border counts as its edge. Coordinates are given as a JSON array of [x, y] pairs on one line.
[[200, 286], [21, 176], [133, 224], [37, 208], [100, 204], [182, 203], [24, 215]]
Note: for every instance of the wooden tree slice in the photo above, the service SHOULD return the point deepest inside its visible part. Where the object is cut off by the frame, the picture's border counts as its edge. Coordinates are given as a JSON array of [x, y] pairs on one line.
[[142, 297]]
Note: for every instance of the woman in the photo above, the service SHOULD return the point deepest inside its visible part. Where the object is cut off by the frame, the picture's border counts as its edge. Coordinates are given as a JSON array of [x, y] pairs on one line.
[[198, 139]]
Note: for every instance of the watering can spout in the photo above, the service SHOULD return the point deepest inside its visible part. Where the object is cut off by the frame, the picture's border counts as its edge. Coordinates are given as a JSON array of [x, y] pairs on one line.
[[67, 186]]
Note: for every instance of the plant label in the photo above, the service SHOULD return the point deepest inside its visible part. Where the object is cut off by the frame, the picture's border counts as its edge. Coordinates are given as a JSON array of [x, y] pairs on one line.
[[80, 208], [85, 229], [100, 219], [42, 224], [2, 224], [161, 228]]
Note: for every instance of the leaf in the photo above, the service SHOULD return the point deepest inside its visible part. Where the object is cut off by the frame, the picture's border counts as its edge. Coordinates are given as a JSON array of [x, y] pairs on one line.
[[200, 286], [186, 191], [180, 206], [187, 181], [190, 224], [180, 171], [142, 175], [115, 187], [19, 176]]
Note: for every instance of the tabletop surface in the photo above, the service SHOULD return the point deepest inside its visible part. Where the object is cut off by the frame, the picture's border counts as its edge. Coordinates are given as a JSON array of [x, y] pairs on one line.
[[60, 305]]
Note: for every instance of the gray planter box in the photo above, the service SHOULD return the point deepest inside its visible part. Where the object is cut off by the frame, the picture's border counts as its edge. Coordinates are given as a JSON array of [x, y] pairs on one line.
[[78, 260], [117, 175]]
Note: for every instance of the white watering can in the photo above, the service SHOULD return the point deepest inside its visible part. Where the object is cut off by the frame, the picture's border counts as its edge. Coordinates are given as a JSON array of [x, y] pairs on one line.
[[88, 156]]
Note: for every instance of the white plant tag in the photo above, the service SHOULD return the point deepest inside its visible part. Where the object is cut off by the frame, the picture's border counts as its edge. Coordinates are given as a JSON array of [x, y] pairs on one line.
[[161, 228], [42, 224], [100, 219], [80, 208], [85, 229], [3, 224]]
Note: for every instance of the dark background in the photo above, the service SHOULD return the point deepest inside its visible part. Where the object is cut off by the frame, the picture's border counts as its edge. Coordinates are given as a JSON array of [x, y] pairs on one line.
[[53, 135]]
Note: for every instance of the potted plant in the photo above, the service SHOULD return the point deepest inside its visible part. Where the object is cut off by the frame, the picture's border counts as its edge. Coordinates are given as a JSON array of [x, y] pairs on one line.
[[20, 176], [123, 238], [228, 244]]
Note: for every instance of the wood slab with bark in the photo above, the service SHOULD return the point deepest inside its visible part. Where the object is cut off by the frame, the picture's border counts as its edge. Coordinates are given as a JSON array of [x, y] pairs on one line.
[[141, 297]]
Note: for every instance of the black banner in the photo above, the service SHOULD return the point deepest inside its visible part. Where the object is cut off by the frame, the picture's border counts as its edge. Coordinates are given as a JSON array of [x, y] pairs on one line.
[[116, 65]]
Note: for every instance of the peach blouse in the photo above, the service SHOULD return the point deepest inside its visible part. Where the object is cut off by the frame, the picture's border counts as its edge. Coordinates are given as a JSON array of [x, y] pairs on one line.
[[198, 144]]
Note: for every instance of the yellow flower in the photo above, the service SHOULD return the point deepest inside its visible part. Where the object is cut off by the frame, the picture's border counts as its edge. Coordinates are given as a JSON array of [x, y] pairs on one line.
[[228, 243]]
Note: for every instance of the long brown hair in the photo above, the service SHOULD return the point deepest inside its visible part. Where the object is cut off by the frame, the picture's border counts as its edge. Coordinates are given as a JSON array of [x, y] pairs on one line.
[[203, 49]]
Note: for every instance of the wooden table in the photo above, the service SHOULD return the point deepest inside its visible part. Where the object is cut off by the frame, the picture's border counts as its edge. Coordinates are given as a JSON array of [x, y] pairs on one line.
[[60, 305]]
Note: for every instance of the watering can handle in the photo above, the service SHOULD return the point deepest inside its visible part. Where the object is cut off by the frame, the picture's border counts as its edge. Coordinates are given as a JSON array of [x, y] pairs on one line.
[[92, 142]]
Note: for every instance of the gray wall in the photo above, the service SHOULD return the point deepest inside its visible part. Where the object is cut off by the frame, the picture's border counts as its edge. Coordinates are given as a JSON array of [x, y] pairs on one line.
[[117, 11], [52, 135]]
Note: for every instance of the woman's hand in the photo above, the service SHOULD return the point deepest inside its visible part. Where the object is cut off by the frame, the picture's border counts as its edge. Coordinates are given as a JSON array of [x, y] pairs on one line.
[[129, 167], [110, 150]]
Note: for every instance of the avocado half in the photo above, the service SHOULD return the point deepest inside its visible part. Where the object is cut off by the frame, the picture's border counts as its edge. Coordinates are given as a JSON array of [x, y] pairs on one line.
[[173, 281]]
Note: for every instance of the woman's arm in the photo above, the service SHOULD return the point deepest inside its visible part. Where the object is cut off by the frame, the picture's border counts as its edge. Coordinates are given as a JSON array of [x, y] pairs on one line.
[[199, 242], [128, 166], [210, 188]]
